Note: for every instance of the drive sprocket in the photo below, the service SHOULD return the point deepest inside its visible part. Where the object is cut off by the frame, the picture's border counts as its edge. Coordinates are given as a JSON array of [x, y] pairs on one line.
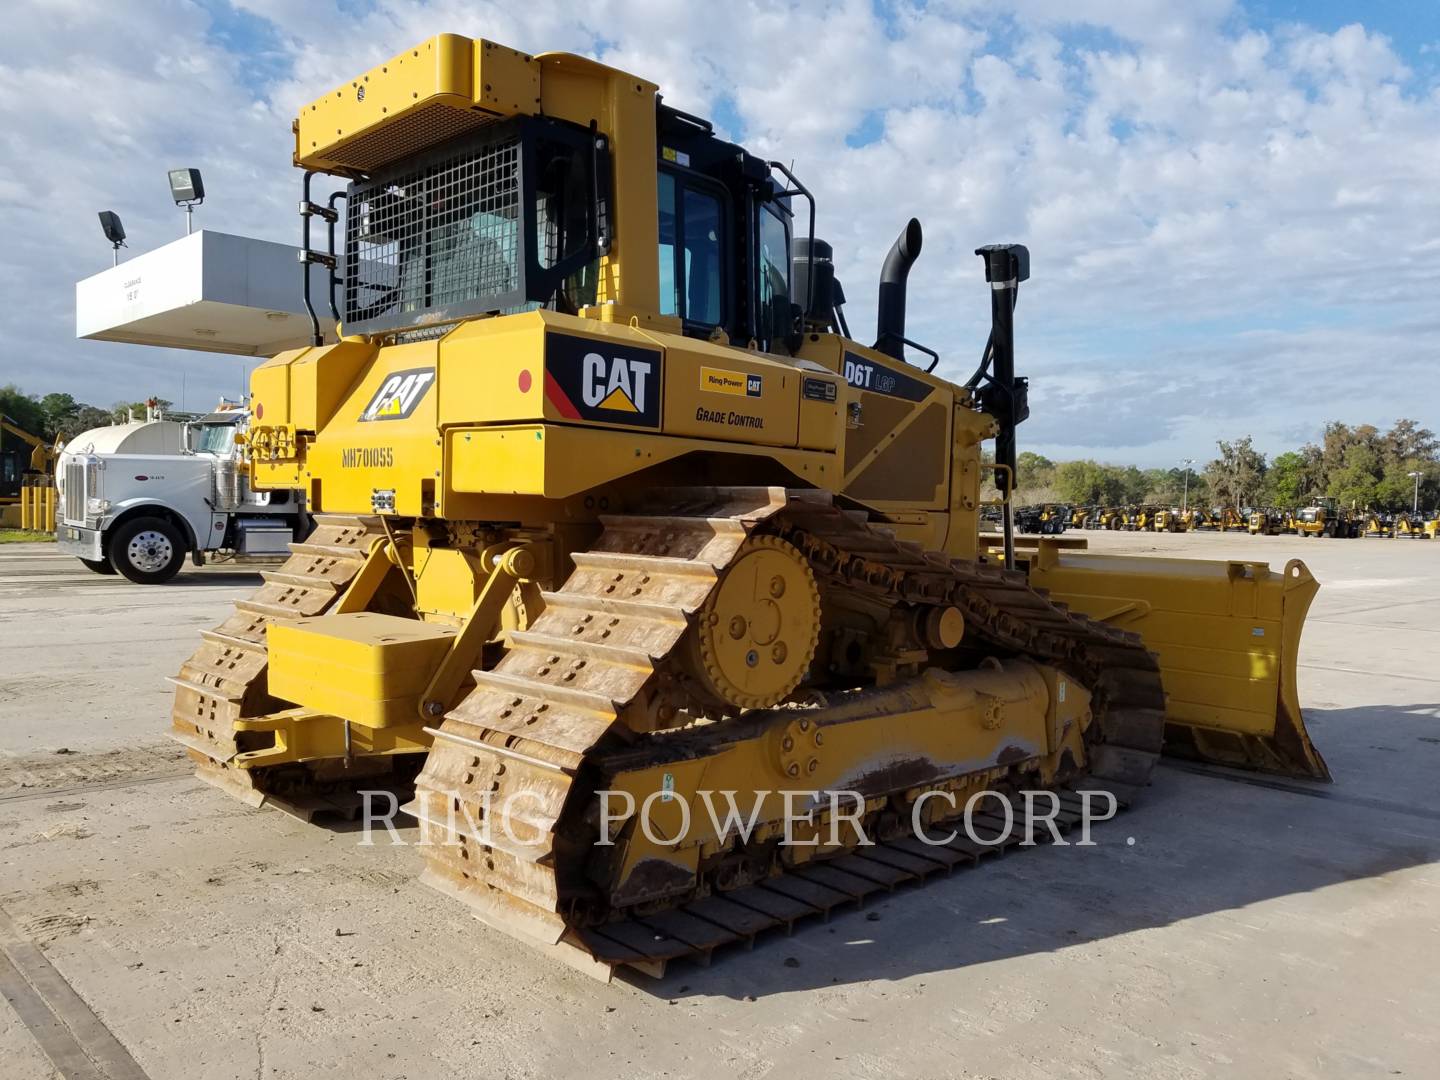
[[757, 632]]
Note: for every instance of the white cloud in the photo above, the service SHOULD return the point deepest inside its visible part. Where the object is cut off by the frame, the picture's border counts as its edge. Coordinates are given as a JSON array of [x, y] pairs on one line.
[[1232, 230]]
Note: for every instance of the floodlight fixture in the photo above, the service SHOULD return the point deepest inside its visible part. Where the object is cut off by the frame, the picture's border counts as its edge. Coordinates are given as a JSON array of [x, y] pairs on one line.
[[114, 232], [188, 190]]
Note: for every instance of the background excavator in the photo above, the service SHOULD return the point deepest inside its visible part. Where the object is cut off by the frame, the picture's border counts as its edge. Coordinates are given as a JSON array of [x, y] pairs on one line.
[[611, 499], [27, 479]]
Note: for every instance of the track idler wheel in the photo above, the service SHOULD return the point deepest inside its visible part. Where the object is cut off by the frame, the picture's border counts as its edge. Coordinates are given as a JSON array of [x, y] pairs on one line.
[[756, 634]]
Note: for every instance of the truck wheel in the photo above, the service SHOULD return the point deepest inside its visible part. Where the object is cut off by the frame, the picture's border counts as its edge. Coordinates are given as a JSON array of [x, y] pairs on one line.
[[99, 566], [147, 550]]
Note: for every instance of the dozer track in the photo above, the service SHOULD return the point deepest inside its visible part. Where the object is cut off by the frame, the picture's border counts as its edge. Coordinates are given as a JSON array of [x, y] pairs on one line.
[[568, 707], [225, 679]]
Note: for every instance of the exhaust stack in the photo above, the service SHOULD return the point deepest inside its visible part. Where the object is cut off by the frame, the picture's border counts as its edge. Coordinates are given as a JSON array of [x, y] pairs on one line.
[[890, 312]]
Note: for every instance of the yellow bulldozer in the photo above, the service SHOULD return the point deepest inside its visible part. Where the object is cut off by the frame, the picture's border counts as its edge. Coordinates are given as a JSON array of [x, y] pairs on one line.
[[615, 512]]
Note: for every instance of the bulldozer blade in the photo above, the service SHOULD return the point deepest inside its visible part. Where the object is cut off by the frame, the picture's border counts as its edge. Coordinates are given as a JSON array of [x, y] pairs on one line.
[[1227, 635]]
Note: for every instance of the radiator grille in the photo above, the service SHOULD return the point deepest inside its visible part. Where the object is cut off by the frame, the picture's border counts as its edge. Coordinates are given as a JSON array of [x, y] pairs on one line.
[[440, 234], [74, 495], [411, 134]]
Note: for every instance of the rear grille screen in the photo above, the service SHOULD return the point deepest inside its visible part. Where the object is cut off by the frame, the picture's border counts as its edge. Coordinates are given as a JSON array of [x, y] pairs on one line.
[[441, 235]]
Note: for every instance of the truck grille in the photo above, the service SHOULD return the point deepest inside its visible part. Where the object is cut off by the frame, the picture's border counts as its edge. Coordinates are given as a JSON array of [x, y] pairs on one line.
[[74, 505]]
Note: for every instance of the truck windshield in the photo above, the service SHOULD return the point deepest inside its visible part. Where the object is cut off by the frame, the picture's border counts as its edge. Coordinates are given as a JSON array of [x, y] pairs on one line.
[[213, 438]]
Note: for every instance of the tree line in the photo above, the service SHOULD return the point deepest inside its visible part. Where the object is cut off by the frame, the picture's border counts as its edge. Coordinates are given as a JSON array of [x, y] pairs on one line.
[[1358, 466], [55, 416]]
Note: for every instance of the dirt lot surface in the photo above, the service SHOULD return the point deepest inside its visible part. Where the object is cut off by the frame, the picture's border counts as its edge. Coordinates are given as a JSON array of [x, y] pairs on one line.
[[153, 927]]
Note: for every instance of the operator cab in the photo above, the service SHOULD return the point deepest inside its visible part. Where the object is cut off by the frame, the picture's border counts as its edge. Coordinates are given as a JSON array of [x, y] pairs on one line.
[[503, 220], [515, 216], [726, 232], [12, 468]]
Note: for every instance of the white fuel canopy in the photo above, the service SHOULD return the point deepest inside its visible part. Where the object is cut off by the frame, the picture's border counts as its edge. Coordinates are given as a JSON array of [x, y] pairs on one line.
[[209, 291]]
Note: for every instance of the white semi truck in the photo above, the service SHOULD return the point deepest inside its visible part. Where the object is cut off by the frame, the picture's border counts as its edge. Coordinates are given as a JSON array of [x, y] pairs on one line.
[[137, 498]]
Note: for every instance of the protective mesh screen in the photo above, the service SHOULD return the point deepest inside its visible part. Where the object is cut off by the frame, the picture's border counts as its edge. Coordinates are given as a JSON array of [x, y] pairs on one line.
[[444, 233]]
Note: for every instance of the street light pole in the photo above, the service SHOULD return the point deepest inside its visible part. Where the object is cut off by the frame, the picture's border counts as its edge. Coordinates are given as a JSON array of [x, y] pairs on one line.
[[1415, 506], [1185, 498]]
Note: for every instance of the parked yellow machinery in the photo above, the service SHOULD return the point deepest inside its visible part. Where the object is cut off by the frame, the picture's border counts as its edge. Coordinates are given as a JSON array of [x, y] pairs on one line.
[[27, 481], [1404, 525], [611, 500], [1228, 518], [1167, 519], [1112, 518], [1324, 518], [1378, 523], [1267, 522]]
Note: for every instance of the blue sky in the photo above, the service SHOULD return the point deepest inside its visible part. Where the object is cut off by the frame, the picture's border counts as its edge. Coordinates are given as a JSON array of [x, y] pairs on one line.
[[1231, 206], [1411, 25]]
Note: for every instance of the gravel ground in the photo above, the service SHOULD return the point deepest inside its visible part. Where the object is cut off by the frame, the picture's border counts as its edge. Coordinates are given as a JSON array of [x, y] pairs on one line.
[[1250, 930]]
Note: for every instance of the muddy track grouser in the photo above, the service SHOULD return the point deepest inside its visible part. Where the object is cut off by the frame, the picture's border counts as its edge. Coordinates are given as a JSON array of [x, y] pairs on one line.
[[610, 500]]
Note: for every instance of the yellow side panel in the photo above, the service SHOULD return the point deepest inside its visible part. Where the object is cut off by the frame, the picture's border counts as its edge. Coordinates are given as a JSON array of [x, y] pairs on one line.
[[558, 461], [493, 370], [321, 378], [719, 393], [364, 667], [270, 388], [496, 370], [898, 457], [383, 435], [498, 461]]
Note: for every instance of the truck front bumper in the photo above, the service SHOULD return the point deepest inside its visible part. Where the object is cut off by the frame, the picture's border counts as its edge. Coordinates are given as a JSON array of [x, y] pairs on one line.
[[82, 543]]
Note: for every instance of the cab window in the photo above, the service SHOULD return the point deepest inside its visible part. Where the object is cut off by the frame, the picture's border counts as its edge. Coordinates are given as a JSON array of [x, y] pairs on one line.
[[774, 275], [669, 231], [691, 255]]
